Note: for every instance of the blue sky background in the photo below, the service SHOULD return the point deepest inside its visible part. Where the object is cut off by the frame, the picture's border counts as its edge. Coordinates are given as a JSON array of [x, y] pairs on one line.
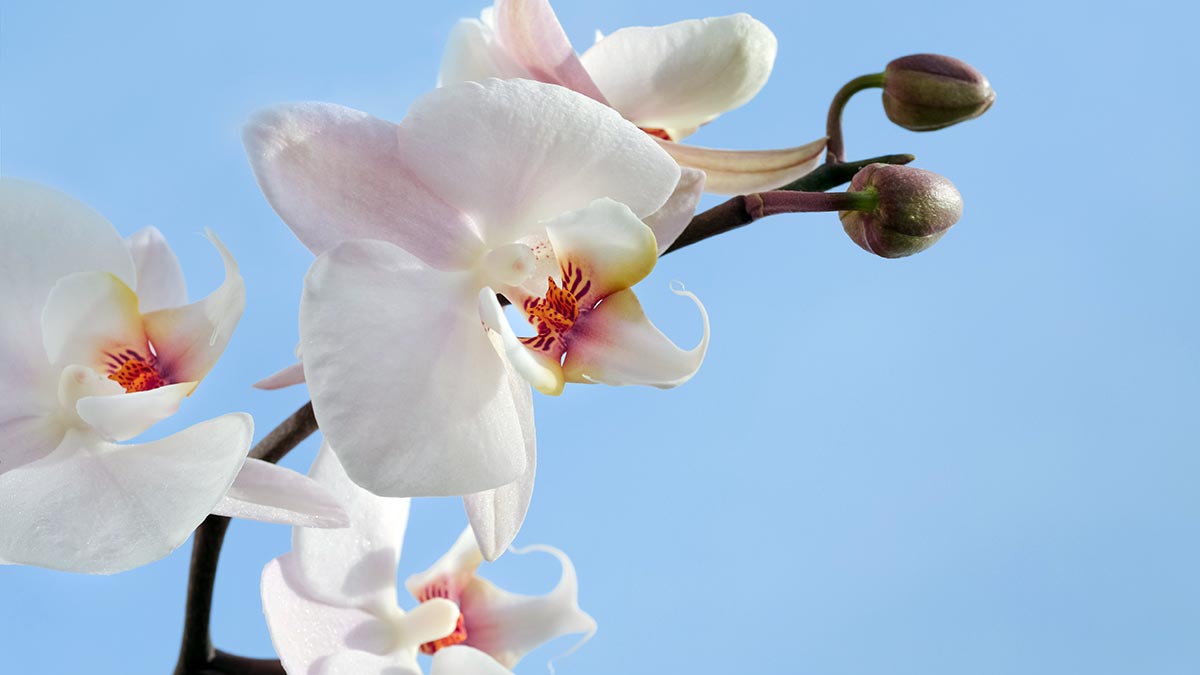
[[981, 459]]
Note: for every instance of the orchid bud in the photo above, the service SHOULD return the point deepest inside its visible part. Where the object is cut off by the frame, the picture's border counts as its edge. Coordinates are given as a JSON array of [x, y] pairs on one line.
[[925, 92], [912, 209]]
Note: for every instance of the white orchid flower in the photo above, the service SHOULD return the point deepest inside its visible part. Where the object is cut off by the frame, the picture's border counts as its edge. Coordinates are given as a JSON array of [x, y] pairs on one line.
[[418, 224], [97, 344], [669, 80], [331, 603]]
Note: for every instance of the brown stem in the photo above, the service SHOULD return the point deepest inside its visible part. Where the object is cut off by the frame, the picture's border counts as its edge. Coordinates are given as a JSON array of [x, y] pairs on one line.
[[834, 149], [735, 213]]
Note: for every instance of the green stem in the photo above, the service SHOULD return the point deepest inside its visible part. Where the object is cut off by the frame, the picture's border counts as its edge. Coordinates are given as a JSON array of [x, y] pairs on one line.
[[835, 149]]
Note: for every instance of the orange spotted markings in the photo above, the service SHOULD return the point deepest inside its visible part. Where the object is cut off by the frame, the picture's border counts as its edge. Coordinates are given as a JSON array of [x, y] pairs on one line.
[[556, 313], [132, 371]]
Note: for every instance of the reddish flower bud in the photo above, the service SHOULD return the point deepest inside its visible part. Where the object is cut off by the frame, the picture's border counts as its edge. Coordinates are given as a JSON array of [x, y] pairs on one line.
[[924, 92], [913, 209]]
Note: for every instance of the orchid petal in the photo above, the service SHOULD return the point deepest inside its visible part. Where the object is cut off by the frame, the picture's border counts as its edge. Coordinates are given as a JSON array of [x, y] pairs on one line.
[[454, 570], [121, 416], [364, 663], [472, 54], [513, 153], [92, 506], [89, 315], [335, 174], [306, 631], [735, 172], [602, 248], [509, 625], [496, 515], [160, 282], [288, 376], [44, 236], [683, 74], [616, 344], [354, 566], [419, 404], [460, 660], [672, 219], [540, 370], [189, 339], [531, 34], [269, 493]]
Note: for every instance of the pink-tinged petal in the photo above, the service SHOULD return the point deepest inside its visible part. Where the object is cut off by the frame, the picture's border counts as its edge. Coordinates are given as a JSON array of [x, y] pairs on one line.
[[507, 625], [530, 33], [335, 174], [673, 218], [465, 661], [512, 153], [473, 54], [452, 572], [496, 515], [602, 248], [683, 74], [96, 507], [307, 632], [121, 416], [355, 566], [189, 339], [289, 376], [44, 236], [541, 370], [269, 493], [616, 344], [405, 383], [89, 317], [736, 172], [160, 281]]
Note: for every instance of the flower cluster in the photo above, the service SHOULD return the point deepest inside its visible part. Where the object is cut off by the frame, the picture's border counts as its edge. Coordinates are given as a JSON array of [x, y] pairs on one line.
[[533, 178]]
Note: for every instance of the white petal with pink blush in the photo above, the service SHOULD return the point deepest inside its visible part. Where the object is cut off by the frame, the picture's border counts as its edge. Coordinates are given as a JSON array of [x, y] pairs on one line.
[[668, 80], [331, 602], [467, 193], [85, 365]]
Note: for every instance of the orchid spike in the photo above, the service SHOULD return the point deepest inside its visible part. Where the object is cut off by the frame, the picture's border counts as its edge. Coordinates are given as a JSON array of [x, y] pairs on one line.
[[98, 345], [331, 602], [423, 388], [668, 80]]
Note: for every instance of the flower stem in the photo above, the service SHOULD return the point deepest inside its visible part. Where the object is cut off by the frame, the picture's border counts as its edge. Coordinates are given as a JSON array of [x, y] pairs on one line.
[[745, 209], [834, 149]]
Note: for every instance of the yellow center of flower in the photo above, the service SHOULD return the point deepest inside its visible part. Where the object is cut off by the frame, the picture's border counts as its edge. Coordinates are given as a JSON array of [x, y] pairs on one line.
[[657, 133], [134, 372], [459, 635], [556, 313]]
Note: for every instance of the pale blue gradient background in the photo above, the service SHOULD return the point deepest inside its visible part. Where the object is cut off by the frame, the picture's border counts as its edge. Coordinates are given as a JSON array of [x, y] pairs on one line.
[[981, 460]]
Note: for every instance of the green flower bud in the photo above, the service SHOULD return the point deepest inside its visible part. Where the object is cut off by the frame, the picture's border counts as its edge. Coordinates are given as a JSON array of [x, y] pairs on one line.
[[912, 209], [924, 92]]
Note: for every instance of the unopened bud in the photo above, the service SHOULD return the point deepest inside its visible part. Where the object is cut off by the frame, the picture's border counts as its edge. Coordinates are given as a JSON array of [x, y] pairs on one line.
[[913, 208], [924, 92]]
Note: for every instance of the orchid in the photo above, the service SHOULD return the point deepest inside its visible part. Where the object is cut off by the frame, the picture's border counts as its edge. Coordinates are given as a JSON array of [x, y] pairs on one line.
[[668, 80], [98, 344], [418, 225], [331, 602]]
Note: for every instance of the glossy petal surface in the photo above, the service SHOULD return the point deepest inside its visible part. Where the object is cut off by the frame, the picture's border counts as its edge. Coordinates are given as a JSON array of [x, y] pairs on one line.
[[405, 383], [93, 506], [334, 174], [684, 74], [512, 153], [269, 493]]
